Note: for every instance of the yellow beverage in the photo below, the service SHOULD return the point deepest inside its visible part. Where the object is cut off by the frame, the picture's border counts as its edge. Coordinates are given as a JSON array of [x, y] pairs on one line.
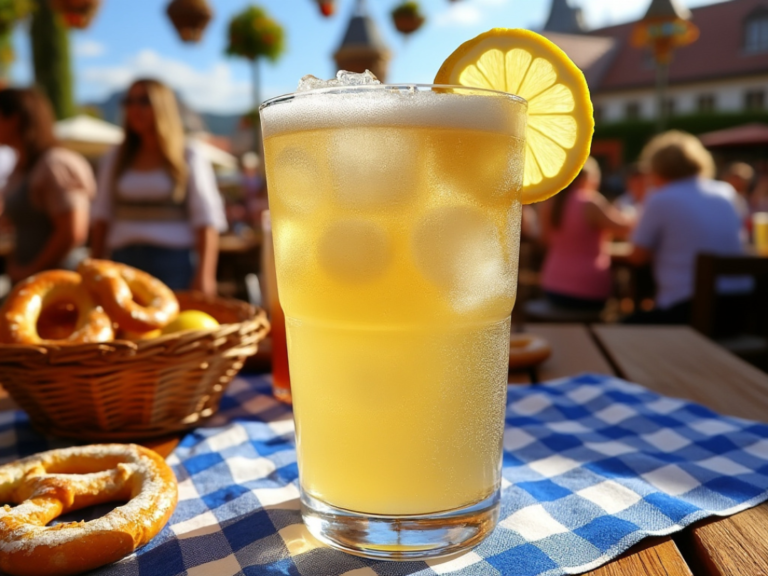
[[760, 232], [396, 222]]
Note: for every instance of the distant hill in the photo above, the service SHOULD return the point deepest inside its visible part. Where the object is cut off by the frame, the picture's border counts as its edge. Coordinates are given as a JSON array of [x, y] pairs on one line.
[[111, 110], [221, 124]]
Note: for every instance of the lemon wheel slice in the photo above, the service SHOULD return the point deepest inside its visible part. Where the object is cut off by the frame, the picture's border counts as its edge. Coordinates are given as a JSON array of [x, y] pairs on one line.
[[560, 118]]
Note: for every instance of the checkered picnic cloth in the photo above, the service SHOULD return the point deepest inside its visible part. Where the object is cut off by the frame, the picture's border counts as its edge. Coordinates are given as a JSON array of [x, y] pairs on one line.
[[592, 465]]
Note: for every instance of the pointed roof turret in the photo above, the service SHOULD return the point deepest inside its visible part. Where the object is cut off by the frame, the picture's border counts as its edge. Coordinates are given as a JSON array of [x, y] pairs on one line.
[[363, 48], [667, 10], [564, 18]]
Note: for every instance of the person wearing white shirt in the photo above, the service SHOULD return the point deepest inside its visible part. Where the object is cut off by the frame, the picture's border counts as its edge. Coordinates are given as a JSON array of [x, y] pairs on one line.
[[157, 207], [688, 214]]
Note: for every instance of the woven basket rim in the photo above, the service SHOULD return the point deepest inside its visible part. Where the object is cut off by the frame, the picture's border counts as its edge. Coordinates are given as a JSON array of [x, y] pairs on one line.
[[258, 317]]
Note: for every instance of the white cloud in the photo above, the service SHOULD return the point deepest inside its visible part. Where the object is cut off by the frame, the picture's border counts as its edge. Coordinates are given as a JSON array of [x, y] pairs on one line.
[[459, 15], [467, 13], [89, 49], [214, 89], [600, 13]]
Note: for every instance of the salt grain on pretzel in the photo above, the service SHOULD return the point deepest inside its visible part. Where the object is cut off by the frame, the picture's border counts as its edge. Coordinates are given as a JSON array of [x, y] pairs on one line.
[[53, 483]]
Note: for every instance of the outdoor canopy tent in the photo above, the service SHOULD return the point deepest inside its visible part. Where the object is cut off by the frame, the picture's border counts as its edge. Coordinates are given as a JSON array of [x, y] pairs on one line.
[[744, 135], [93, 137]]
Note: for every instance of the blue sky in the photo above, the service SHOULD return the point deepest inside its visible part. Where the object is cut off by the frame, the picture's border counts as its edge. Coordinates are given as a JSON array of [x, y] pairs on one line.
[[131, 38]]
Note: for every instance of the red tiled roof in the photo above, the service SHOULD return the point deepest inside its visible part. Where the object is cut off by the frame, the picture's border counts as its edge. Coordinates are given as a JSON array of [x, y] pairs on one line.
[[718, 53], [739, 136], [592, 54]]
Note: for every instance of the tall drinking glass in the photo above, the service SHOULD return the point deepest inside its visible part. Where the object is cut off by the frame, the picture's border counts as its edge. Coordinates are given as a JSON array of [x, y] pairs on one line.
[[396, 221]]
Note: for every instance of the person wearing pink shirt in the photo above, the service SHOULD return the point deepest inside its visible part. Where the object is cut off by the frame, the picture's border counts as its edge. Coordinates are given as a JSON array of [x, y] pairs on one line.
[[576, 224]]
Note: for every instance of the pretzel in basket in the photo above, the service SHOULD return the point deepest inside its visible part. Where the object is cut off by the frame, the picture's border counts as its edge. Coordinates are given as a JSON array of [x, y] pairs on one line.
[[29, 299], [135, 300], [53, 483]]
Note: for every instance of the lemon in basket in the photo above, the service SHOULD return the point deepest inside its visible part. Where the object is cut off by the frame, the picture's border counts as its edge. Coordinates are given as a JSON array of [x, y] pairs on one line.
[[191, 320], [560, 117]]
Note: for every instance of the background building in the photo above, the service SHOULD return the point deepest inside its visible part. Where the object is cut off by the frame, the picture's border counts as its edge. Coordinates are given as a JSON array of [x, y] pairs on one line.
[[719, 81]]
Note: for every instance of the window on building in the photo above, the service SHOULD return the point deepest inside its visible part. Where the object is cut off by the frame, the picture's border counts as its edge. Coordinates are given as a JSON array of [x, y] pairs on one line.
[[754, 99], [706, 103], [632, 111], [756, 32], [598, 112]]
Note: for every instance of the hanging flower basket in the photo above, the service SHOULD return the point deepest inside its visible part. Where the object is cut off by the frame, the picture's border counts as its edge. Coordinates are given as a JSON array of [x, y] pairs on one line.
[[253, 34], [76, 13], [190, 18], [407, 17], [11, 11], [327, 7]]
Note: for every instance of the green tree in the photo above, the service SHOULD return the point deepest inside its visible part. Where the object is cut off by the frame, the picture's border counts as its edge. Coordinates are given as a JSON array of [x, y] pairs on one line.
[[51, 60], [253, 35]]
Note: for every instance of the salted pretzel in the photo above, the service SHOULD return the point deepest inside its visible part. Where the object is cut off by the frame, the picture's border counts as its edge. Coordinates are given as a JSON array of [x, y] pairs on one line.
[[30, 298], [527, 350], [135, 300], [47, 485]]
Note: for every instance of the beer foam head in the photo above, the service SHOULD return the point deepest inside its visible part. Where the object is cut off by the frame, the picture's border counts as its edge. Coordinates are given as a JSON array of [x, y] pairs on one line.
[[395, 107]]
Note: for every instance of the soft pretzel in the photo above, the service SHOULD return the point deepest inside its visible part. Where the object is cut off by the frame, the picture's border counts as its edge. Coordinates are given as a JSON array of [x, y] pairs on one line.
[[527, 350], [53, 483], [135, 300], [28, 299]]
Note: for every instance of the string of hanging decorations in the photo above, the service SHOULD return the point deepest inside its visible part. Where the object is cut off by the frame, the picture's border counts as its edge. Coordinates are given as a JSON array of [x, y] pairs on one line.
[[191, 17]]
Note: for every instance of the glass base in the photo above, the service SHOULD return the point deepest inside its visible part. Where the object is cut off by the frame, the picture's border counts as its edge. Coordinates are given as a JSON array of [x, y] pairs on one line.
[[417, 537]]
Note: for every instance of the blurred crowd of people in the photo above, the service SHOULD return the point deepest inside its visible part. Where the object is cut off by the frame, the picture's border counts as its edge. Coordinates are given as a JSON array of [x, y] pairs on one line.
[[155, 204], [673, 210]]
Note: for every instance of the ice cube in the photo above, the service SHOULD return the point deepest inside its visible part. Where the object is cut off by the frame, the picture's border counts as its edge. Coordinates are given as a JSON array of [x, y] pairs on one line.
[[354, 250], [297, 180], [374, 168], [482, 165], [343, 78], [459, 249]]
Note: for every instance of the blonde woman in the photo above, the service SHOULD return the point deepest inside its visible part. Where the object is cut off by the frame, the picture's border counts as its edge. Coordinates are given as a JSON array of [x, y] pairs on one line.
[[685, 214], [157, 207]]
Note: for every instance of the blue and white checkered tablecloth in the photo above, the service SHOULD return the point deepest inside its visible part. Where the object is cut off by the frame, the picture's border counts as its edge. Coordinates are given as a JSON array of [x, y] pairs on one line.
[[592, 465]]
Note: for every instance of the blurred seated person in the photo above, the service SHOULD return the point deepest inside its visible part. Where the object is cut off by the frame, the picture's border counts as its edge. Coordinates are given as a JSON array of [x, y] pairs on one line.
[[630, 203], [740, 175], [158, 207], [688, 213], [576, 225], [48, 194]]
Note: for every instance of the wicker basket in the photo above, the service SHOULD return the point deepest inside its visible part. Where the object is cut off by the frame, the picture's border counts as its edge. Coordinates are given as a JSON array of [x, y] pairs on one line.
[[134, 390]]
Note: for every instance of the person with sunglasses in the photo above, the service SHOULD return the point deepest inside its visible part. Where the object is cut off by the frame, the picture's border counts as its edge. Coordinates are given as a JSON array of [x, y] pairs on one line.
[[158, 207], [47, 196]]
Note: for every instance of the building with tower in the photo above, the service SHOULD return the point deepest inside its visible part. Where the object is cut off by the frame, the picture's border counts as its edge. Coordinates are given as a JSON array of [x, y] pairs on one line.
[[723, 74], [362, 47]]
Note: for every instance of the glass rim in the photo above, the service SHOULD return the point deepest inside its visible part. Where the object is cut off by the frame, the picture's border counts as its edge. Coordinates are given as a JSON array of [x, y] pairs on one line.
[[395, 87]]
